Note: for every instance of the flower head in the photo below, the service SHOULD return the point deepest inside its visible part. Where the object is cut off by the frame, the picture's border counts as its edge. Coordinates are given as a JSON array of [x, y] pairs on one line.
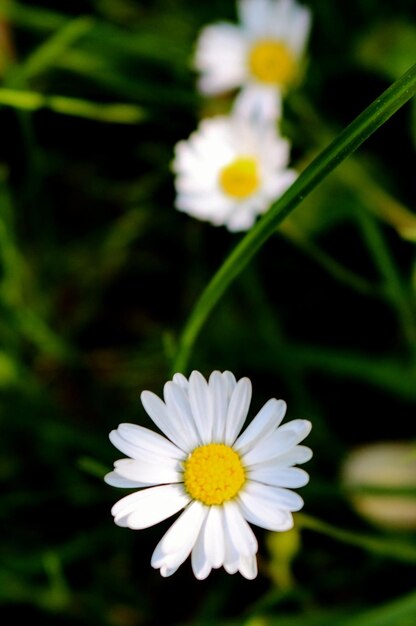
[[221, 478], [230, 170], [261, 55]]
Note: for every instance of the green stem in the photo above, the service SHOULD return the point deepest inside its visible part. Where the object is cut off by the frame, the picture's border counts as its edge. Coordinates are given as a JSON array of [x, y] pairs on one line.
[[117, 113], [384, 546], [332, 266], [347, 141], [393, 282]]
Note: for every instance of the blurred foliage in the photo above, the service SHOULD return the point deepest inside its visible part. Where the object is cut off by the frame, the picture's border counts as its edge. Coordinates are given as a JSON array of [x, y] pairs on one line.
[[98, 274]]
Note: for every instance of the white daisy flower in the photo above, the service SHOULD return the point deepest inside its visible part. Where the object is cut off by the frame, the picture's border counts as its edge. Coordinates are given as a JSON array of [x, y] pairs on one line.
[[230, 170], [221, 478], [262, 55]]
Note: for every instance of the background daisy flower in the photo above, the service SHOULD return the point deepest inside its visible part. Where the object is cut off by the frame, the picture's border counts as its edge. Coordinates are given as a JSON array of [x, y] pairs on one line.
[[221, 478], [261, 56], [230, 170]]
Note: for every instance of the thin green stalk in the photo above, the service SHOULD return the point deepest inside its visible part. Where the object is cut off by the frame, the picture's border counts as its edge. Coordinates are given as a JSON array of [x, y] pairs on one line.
[[332, 266], [400, 612], [347, 141], [388, 547], [390, 374], [117, 113], [394, 286]]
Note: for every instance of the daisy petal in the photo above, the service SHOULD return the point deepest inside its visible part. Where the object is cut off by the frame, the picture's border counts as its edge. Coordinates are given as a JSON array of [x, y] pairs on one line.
[[248, 567], [299, 454], [254, 15], [239, 532], [229, 378], [115, 480], [141, 443], [283, 477], [179, 379], [265, 422], [278, 443], [200, 563], [150, 506], [258, 102], [176, 400], [214, 542], [177, 543], [200, 401], [219, 396], [264, 509], [157, 410], [271, 447], [149, 473], [237, 409], [298, 33]]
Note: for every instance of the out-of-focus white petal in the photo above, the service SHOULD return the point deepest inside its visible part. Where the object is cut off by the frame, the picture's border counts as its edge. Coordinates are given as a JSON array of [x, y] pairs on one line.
[[257, 101], [255, 16], [298, 29], [220, 57]]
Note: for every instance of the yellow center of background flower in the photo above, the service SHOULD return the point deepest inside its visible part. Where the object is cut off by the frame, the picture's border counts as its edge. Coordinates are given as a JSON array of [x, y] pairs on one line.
[[213, 474], [271, 61], [240, 178]]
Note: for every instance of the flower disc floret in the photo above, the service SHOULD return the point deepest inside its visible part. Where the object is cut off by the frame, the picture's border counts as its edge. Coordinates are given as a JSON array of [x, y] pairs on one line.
[[213, 474], [240, 178], [272, 62]]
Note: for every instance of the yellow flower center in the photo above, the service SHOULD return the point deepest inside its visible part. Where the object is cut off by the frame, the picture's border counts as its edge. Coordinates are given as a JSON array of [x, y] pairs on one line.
[[240, 178], [271, 61], [213, 474]]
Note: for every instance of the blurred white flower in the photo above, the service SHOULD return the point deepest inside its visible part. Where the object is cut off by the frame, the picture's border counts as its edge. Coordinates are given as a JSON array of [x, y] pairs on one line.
[[262, 55], [376, 477], [221, 478], [230, 170]]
